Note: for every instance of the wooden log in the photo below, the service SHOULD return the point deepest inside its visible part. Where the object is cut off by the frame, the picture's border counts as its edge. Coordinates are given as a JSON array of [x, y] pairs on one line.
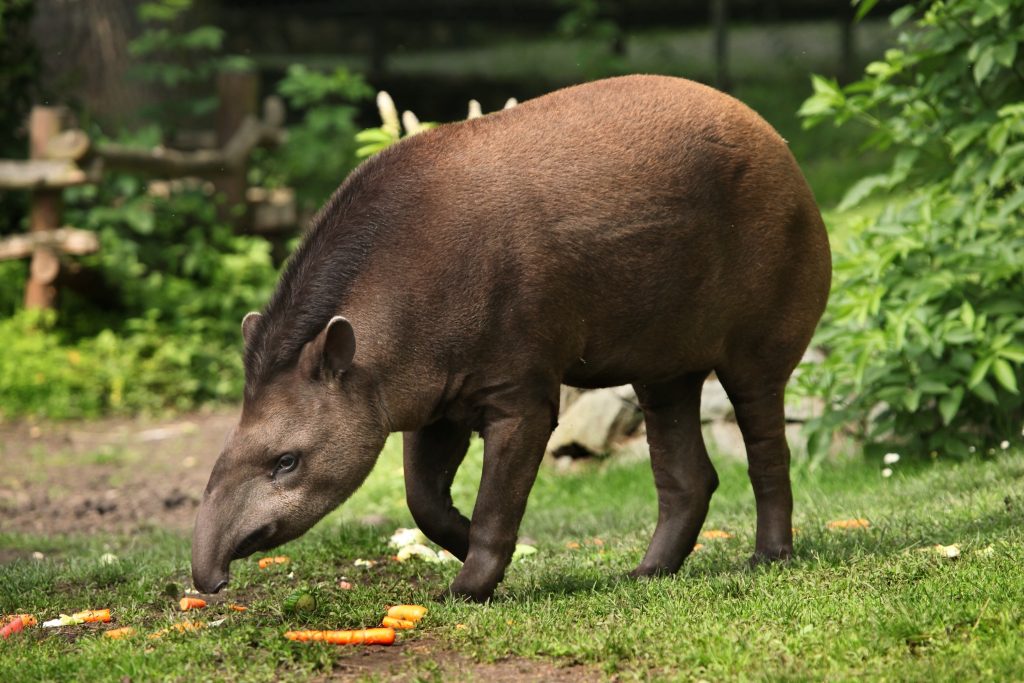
[[66, 240], [237, 127], [71, 145], [271, 211], [40, 292], [40, 174]]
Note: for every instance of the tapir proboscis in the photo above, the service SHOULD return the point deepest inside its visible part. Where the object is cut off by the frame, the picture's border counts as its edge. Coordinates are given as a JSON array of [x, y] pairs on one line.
[[639, 230]]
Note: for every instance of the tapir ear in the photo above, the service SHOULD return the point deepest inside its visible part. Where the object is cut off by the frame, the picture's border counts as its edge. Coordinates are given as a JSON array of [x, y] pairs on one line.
[[249, 323], [339, 345]]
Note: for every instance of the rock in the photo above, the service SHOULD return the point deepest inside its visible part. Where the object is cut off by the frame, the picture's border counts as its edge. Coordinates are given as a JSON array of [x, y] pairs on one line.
[[593, 421], [714, 403]]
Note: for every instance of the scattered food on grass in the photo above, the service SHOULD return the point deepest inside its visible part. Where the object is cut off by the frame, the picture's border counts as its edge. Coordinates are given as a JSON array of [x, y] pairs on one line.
[[523, 550], [860, 523], [267, 561], [118, 633], [187, 603], [416, 550], [411, 613], [238, 608], [697, 546], [950, 552], [364, 636], [405, 537], [16, 623], [299, 601], [85, 617], [108, 558], [366, 564], [712, 534], [397, 624], [572, 545]]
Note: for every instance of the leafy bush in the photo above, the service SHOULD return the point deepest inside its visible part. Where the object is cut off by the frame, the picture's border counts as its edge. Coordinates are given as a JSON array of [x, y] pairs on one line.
[[320, 150], [925, 328]]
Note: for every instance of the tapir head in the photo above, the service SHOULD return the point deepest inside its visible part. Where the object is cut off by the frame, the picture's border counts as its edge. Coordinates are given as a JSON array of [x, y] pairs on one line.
[[306, 440]]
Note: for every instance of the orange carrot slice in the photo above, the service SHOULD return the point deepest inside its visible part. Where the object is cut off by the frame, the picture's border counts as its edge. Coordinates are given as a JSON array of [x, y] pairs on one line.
[[238, 608], [267, 561], [118, 633], [16, 623], [364, 636], [191, 603], [407, 612], [712, 534], [399, 624], [849, 524], [90, 616]]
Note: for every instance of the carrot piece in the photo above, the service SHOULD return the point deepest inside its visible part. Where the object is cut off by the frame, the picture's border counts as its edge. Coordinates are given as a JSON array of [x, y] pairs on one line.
[[849, 524], [117, 633], [180, 627], [191, 603], [90, 616], [267, 561], [238, 608], [716, 533], [407, 612], [16, 623], [400, 624], [363, 636]]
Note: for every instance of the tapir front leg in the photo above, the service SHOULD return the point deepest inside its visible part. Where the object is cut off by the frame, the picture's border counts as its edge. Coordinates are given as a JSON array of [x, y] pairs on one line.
[[513, 449], [432, 457]]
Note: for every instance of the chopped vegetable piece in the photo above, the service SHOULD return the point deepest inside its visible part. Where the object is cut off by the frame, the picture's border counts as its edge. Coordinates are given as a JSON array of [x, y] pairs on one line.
[[191, 603], [849, 524], [85, 617], [365, 636], [712, 534], [16, 623], [180, 627], [300, 601], [399, 624], [408, 612], [117, 633], [238, 608], [267, 561]]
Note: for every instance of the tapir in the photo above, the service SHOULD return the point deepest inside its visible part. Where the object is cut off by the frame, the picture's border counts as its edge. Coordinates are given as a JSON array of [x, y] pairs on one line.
[[638, 230]]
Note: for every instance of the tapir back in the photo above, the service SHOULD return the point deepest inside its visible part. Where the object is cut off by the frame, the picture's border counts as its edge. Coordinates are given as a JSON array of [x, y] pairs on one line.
[[622, 231]]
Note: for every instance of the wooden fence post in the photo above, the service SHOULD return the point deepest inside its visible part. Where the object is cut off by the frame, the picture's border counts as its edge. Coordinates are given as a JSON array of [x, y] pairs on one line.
[[40, 290], [238, 92]]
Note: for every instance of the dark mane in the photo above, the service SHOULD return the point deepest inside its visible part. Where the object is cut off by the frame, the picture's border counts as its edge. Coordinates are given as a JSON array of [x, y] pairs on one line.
[[318, 275]]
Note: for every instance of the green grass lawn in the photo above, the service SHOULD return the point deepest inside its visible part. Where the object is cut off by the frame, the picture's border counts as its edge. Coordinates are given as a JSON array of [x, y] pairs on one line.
[[874, 603]]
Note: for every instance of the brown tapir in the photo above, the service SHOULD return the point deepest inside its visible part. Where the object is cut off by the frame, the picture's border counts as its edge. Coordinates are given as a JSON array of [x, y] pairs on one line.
[[642, 229]]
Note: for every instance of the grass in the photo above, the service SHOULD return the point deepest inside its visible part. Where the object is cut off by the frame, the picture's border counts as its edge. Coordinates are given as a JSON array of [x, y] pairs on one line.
[[873, 603]]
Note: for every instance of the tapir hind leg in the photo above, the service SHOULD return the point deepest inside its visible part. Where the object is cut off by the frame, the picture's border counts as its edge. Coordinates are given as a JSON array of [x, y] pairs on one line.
[[758, 399], [432, 457], [683, 472]]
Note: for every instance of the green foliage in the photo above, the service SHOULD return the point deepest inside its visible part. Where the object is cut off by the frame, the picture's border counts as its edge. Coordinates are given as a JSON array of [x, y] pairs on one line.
[[590, 22], [173, 57], [320, 150], [925, 328], [182, 282]]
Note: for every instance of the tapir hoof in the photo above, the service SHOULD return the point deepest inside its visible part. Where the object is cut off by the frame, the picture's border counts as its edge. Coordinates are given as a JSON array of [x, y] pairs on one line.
[[763, 557], [453, 595], [650, 572]]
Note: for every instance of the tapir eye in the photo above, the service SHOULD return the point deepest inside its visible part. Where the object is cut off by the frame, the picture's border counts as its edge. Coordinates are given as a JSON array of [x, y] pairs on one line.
[[286, 463]]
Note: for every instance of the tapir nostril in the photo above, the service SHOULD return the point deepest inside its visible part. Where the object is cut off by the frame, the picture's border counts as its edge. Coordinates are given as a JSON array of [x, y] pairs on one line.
[[219, 586]]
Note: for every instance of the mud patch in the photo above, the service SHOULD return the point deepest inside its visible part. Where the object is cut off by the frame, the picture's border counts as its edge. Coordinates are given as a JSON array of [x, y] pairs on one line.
[[114, 476], [426, 660]]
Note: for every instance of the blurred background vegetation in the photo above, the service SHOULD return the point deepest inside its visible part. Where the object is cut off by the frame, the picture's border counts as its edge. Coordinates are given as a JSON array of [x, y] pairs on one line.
[[916, 163]]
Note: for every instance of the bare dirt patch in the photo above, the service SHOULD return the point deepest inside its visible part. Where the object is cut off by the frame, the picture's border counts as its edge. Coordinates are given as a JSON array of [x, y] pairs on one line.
[[114, 476], [426, 659]]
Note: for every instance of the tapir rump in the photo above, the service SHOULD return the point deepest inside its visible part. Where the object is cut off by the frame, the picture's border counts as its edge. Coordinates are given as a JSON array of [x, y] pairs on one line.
[[640, 230]]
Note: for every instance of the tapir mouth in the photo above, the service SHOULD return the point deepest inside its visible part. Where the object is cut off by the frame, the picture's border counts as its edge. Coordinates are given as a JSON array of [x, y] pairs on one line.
[[256, 541]]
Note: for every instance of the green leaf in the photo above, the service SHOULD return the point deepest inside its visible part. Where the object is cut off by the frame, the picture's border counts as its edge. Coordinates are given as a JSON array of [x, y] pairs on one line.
[[863, 7], [862, 189], [1012, 353], [983, 66], [986, 393], [900, 16], [978, 372], [950, 403], [1005, 375], [1005, 53]]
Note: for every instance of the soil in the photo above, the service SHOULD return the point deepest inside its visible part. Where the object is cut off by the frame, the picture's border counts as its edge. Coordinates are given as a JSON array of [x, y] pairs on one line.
[[107, 476], [425, 659]]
